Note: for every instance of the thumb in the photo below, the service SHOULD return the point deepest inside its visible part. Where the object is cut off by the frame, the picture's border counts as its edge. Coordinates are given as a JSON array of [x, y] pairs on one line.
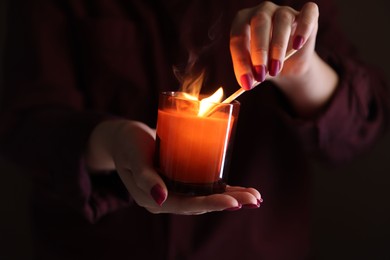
[[150, 182], [145, 186]]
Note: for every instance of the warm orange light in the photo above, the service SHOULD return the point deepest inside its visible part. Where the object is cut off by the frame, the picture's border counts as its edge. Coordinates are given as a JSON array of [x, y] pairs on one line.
[[193, 138], [207, 104]]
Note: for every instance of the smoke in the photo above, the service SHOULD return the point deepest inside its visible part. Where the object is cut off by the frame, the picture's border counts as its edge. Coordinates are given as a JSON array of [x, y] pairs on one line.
[[192, 78], [193, 75]]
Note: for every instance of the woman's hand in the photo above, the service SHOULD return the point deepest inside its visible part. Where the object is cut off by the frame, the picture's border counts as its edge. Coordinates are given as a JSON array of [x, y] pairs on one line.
[[128, 147], [260, 39]]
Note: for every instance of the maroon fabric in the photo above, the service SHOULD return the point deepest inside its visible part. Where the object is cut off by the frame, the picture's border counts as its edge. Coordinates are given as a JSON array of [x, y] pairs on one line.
[[72, 64]]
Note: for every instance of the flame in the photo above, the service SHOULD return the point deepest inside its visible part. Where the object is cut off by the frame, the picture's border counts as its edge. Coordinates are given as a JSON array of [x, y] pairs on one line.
[[191, 85], [207, 104], [190, 97]]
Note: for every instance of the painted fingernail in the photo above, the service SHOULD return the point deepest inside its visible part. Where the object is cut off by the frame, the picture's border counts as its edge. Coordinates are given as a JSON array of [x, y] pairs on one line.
[[246, 81], [298, 42], [234, 208], [259, 73], [251, 206], [158, 194], [274, 67]]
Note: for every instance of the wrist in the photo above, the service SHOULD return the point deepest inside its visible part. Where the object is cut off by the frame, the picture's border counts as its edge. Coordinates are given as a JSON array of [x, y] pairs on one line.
[[311, 89]]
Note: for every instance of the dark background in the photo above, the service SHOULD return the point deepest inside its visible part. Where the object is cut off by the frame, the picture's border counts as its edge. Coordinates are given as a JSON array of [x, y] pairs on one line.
[[351, 205]]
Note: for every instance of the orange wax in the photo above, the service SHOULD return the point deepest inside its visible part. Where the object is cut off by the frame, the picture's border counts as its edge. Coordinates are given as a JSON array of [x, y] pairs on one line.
[[192, 148]]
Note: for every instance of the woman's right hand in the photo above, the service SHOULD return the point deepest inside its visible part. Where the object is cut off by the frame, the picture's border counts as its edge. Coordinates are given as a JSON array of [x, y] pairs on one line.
[[128, 147], [259, 40]]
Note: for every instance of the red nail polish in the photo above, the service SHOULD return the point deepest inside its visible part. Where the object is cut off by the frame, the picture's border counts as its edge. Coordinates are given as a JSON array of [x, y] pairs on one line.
[[234, 208], [246, 81], [298, 42], [259, 72], [158, 194], [251, 206], [274, 67]]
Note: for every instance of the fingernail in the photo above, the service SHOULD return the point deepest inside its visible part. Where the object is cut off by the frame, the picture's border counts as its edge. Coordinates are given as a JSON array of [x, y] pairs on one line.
[[297, 43], [259, 201], [259, 73], [158, 194], [234, 208], [251, 206], [246, 81], [274, 67]]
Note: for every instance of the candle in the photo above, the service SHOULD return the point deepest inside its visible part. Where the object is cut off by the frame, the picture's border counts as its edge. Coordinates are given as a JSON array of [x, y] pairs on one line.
[[192, 150]]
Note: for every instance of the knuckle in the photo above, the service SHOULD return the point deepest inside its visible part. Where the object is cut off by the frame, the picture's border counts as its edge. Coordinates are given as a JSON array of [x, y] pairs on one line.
[[284, 15], [242, 13], [266, 5], [260, 19], [312, 8]]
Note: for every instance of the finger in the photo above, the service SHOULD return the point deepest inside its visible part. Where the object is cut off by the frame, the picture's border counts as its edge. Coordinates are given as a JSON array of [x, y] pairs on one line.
[[150, 182], [196, 205], [261, 24], [253, 191], [283, 20], [240, 49], [246, 199], [139, 163], [146, 187], [306, 22]]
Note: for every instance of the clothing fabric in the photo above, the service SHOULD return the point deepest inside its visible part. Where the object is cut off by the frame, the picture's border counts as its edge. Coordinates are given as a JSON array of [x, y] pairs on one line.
[[70, 65]]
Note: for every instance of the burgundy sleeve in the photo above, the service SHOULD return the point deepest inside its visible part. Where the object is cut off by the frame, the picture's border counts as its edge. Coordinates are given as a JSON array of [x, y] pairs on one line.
[[358, 113], [45, 120]]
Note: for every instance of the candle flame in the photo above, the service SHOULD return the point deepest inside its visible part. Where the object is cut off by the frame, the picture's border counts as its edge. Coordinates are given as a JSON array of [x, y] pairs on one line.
[[206, 104], [190, 97], [191, 85]]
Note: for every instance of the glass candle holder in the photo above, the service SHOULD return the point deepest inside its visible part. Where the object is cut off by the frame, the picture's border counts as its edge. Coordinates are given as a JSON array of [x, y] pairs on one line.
[[192, 151]]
